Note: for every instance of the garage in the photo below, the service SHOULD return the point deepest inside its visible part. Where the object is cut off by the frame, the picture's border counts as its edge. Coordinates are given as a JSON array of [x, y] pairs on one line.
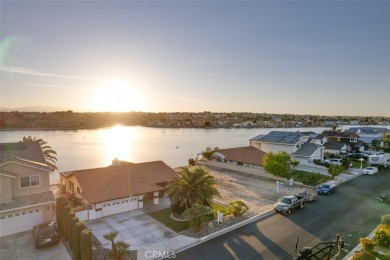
[[119, 206], [20, 221]]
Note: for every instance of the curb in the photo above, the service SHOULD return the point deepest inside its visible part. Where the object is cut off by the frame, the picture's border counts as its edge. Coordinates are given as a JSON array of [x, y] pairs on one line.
[[225, 230]]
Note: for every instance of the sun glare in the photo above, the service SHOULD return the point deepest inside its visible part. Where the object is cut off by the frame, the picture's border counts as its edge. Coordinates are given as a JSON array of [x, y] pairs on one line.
[[114, 139], [117, 96]]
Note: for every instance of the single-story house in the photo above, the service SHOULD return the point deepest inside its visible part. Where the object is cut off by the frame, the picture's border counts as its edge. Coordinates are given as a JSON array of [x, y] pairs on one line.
[[246, 156], [309, 152], [117, 188], [25, 196]]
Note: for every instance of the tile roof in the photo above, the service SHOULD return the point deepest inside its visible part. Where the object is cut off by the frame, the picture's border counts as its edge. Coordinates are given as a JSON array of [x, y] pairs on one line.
[[247, 154], [114, 182], [279, 137], [307, 149], [334, 145], [28, 153], [28, 201]]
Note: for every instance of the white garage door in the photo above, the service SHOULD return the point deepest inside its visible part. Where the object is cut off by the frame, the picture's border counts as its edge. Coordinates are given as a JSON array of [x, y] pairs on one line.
[[20, 221], [119, 206]]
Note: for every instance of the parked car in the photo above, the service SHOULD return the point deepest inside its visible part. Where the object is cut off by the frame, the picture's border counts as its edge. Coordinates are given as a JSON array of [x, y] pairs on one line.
[[384, 198], [358, 156], [326, 188], [45, 234], [334, 161], [287, 203], [370, 170]]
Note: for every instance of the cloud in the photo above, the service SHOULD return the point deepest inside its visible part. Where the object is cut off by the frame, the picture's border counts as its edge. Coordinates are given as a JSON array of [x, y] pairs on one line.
[[49, 86], [31, 72]]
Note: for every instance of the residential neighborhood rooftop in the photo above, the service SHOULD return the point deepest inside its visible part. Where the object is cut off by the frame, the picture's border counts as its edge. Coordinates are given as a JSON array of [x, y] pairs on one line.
[[114, 182], [247, 154], [279, 137]]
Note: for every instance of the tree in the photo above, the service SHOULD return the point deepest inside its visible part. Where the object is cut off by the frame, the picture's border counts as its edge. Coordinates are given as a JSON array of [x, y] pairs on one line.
[[47, 151], [294, 164], [335, 170], [237, 207], [207, 153], [196, 214], [120, 249], [194, 186], [111, 237], [277, 163]]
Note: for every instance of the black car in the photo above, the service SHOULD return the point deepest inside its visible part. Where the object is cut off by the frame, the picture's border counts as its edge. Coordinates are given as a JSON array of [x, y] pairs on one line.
[[358, 156], [45, 234]]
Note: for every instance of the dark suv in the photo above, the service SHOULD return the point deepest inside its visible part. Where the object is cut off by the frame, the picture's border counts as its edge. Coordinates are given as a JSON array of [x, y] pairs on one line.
[[45, 234]]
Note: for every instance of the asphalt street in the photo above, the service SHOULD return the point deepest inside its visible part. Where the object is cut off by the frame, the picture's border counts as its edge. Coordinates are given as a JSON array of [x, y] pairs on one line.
[[352, 211]]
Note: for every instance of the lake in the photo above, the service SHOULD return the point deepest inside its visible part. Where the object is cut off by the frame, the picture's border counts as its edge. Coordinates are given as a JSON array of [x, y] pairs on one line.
[[82, 149]]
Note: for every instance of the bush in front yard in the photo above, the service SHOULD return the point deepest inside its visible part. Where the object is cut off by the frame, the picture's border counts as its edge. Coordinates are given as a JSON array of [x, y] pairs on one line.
[[237, 207], [362, 255], [382, 235], [367, 244], [385, 219]]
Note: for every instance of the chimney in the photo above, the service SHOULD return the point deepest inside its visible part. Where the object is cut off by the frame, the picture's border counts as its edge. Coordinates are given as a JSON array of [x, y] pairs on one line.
[[116, 162]]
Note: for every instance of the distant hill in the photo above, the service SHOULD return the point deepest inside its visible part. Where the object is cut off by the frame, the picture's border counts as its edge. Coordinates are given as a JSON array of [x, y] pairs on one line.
[[33, 109]]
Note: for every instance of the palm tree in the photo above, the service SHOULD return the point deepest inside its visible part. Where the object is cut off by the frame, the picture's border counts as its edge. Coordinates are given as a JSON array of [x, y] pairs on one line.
[[111, 237], [47, 151], [196, 216], [122, 250], [195, 186]]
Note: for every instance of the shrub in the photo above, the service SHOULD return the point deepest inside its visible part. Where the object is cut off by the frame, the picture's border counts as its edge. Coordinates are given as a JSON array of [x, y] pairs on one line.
[[69, 222], [367, 244], [237, 207], [177, 209], [385, 219], [59, 202], [191, 162], [362, 255], [86, 244], [382, 235], [79, 227], [65, 212], [74, 222]]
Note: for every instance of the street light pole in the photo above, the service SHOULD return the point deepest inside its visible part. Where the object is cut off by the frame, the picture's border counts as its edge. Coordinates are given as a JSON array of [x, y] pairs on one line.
[[361, 163]]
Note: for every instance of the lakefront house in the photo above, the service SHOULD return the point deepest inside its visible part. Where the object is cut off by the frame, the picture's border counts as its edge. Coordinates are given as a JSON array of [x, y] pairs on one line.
[[25, 196], [120, 187]]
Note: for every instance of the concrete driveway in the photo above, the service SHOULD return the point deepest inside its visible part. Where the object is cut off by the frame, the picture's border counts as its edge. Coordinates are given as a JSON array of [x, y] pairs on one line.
[[21, 246], [142, 232]]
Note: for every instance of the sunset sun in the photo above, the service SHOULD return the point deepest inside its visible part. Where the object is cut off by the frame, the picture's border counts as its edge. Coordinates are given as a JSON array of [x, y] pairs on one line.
[[117, 96]]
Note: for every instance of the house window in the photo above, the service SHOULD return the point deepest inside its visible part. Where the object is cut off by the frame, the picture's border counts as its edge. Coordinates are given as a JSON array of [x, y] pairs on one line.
[[29, 181], [71, 186], [78, 190]]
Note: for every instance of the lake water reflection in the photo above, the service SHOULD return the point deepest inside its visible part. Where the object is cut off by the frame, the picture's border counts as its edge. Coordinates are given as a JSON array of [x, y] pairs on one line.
[[81, 149]]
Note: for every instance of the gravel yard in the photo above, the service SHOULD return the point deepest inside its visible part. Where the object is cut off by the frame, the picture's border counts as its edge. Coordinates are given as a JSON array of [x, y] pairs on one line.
[[257, 192]]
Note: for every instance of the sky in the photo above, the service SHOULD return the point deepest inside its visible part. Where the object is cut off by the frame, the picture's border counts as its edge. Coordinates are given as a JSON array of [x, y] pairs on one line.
[[294, 57]]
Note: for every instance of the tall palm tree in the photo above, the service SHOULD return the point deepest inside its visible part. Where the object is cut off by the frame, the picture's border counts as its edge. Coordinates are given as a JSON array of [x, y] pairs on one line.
[[195, 186], [47, 151]]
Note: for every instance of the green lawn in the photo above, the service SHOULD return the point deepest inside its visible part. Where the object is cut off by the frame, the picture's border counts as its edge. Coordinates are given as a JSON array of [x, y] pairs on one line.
[[357, 164], [164, 217], [308, 178]]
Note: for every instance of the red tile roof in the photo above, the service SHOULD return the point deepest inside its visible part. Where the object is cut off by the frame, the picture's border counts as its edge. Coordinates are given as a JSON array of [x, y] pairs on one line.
[[247, 154], [114, 182]]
